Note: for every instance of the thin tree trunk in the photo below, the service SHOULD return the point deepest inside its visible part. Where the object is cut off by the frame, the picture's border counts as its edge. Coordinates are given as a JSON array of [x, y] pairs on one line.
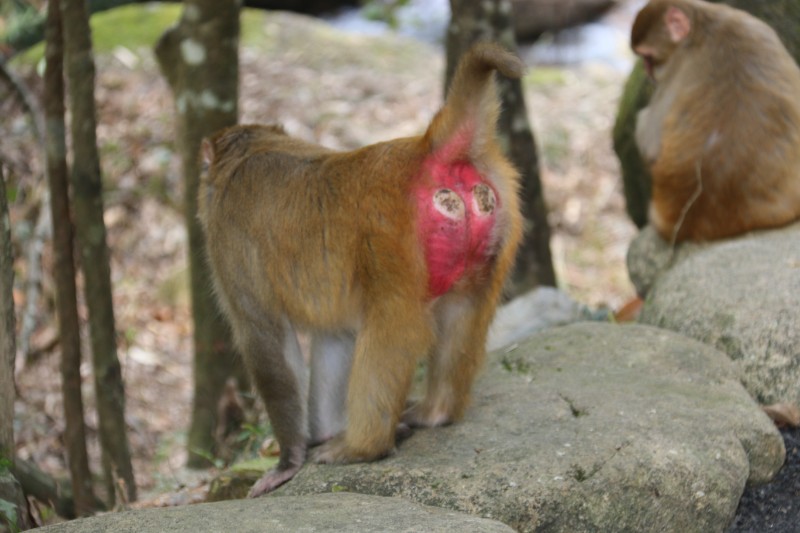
[[491, 20], [10, 489], [199, 58], [91, 231], [64, 265], [7, 330]]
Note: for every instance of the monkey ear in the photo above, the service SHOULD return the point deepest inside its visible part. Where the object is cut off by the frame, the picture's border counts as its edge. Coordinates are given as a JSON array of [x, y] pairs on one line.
[[678, 24], [207, 153], [466, 124]]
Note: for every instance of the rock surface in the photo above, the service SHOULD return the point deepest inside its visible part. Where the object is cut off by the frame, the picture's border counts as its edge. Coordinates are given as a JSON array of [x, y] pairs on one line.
[[325, 512], [587, 427], [649, 256], [740, 295], [534, 311]]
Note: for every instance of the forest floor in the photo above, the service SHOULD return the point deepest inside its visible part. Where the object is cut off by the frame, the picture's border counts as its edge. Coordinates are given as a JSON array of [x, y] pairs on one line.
[[341, 90]]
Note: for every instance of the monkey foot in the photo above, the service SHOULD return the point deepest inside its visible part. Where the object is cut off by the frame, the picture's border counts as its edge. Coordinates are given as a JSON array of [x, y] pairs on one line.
[[336, 451], [402, 432], [272, 480], [420, 416]]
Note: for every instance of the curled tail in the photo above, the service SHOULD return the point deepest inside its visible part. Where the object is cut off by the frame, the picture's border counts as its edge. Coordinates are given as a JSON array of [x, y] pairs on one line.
[[466, 123]]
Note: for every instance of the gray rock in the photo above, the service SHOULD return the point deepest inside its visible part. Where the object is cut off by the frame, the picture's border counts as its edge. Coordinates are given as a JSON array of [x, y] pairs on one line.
[[324, 512], [534, 311], [587, 427], [649, 256], [741, 296]]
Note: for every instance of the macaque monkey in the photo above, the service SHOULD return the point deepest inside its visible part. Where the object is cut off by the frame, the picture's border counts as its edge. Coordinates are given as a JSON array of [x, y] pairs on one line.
[[384, 254], [722, 131]]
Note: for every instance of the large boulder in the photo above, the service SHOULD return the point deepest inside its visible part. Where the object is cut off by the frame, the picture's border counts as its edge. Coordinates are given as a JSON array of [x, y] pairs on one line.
[[325, 512], [586, 427], [740, 295]]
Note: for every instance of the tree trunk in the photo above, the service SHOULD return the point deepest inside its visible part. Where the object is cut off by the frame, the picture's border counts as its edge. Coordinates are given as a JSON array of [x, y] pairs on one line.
[[491, 20], [91, 232], [7, 331], [199, 57], [10, 489], [64, 265]]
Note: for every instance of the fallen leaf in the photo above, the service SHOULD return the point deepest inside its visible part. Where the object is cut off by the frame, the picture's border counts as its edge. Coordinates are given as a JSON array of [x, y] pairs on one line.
[[630, 311], [783, 414]]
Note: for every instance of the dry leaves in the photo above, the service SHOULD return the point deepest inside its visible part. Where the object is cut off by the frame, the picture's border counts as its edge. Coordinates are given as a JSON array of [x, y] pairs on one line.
[[783, 414]]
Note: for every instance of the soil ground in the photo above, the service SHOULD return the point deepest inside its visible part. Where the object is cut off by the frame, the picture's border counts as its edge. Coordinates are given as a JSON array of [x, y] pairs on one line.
[[774, 507]]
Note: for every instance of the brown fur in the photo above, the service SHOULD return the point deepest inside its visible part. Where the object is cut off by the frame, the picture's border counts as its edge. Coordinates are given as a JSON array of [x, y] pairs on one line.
[[303, 237], [722, 131]]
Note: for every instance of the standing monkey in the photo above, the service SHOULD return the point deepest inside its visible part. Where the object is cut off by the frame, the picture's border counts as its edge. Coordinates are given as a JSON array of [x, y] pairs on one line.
[[722, 132], [385, 254]]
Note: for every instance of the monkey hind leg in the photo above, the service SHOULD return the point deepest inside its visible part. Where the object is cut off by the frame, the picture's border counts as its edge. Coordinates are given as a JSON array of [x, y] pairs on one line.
[[386, 352], [275, 362], [454, 362], [331, 358]]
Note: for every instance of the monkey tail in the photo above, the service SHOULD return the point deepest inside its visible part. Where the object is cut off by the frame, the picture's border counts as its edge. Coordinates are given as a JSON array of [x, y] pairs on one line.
[[481, 59], [469, 116]]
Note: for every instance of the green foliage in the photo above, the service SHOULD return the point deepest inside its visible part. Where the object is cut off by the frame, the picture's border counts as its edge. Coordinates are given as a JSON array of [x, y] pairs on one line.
[[46, 512], [139, 26], [245, 446], [383, 10], [12, 191], [8, 512], [252, 26], [17, 21], [133, 26], [251, 436], [544, 77], [208, 456], [635, 175], [516, 365], [258, 464]]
